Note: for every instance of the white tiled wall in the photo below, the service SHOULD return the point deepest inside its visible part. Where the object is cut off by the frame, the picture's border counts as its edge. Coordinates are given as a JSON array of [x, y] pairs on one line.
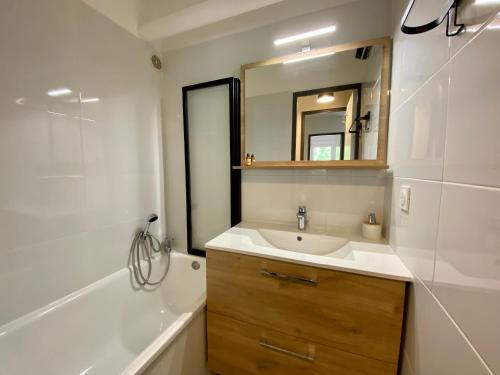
[[445, 144], [76, 179], [335, 200]]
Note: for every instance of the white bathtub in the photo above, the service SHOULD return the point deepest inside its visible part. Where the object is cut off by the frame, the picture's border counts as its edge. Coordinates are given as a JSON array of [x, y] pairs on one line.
[[111, 328]]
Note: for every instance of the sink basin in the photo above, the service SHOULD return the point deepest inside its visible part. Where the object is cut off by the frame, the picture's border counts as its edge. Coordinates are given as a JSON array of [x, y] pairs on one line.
[[308, 243]]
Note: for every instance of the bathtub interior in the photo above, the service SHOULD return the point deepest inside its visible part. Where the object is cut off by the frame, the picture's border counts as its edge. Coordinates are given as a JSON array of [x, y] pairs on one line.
[[104, 327]]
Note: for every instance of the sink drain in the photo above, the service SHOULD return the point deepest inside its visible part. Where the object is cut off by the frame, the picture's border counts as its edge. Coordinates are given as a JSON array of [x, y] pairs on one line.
[[195, 265], [299, 238]]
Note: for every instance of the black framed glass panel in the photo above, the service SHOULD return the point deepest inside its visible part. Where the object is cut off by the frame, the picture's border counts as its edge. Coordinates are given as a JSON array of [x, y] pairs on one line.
[[212, 147]]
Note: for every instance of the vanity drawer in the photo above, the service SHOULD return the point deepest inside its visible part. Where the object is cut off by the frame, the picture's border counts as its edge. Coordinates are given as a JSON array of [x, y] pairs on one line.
[[241, 348], [353, 313]]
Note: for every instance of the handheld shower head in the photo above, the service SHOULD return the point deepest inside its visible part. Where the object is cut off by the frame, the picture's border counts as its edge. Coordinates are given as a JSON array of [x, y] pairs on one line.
[[150, 219]]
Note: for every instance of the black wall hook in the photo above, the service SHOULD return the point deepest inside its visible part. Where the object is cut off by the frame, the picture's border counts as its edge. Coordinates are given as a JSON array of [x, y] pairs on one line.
[[450, 14]]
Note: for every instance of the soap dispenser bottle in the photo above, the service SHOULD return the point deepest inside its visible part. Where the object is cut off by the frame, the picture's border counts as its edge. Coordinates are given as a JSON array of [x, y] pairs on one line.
[[371, 229]]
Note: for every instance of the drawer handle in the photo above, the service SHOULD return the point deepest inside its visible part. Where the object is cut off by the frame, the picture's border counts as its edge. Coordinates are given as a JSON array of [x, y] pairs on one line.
[[281, 276], [265, 344]]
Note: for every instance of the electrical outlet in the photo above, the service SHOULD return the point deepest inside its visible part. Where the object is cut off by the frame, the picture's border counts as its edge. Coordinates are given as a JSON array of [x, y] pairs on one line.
[[404, 198]]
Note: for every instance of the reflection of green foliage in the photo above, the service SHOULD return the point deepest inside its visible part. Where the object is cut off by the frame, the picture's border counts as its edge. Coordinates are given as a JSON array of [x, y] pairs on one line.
[[347, 152], [322, 153], [337, 153]]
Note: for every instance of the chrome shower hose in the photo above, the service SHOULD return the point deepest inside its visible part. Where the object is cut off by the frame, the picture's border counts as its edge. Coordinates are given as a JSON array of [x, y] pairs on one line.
[[143, 249]]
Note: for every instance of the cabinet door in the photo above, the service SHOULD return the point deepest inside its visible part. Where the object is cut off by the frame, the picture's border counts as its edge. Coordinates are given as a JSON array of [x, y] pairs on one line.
[[240, 348], [350, 312]]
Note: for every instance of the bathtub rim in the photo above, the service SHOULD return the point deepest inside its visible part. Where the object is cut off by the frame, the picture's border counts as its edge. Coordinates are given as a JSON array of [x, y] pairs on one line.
[[151, 352], [156, 348]]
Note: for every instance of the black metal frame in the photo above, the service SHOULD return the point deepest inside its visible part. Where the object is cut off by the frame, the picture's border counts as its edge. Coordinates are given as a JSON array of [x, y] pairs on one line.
[[305, 113], [342, 143], [234, 133], [296, 95], [452, 7]]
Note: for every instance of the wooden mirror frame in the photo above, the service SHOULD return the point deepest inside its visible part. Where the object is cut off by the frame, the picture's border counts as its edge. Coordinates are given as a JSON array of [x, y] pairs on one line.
[[381, 161]]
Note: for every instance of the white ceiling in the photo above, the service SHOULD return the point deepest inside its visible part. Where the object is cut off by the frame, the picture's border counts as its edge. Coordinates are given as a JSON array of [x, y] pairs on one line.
[[197, 15], [246, 21], [172, 24]]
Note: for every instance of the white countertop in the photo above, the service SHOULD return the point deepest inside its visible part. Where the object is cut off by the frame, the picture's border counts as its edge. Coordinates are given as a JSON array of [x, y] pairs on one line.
[[365, 258]]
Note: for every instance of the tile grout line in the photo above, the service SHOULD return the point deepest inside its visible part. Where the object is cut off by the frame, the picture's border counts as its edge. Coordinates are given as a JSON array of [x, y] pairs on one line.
[[472, 186], [450, 183], [443, 167], [455, 324]]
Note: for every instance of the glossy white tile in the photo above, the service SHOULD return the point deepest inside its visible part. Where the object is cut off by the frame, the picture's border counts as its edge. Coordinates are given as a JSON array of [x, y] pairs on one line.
[[414, 233], [417, 132], [467, 280], [432, 343], [474, 14], [473, 136], [333, 200], [269, 198], [77, 178], [464, 151], [415, 59]]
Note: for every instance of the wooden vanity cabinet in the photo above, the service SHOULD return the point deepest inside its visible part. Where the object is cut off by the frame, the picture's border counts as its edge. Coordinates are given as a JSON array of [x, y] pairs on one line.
[[274, 317]]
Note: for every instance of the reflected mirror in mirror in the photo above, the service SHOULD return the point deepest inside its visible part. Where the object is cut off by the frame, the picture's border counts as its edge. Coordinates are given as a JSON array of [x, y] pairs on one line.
[[323, 137], [324, 108]]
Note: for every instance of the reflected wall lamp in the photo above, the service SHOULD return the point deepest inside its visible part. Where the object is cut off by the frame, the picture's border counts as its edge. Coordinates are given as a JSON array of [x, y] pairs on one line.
[[450, 11]]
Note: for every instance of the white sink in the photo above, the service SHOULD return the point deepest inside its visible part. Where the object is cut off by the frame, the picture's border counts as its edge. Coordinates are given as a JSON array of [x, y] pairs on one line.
[[337, 252], [307, 243]]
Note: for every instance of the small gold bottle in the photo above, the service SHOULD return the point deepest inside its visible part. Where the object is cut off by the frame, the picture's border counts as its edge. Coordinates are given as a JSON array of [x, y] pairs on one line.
[[248, 160], [252, 159]]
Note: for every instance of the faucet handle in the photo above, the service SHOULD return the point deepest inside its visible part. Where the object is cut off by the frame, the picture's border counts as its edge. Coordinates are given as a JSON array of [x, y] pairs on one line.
[[302, 209]]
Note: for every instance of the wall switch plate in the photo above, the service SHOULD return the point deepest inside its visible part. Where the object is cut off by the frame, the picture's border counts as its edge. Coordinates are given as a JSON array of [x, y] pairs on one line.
[[404, 198]]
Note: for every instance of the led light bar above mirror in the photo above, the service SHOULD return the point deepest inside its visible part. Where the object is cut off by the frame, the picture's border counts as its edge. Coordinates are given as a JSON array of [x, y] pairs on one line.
[[306, 35]]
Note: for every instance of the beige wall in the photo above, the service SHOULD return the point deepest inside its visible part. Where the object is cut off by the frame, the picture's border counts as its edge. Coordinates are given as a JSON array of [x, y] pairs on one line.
[[268, 134], [445, 144], [222, 58]]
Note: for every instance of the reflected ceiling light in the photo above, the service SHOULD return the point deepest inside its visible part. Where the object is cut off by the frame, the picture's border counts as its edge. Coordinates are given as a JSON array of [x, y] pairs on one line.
[[90, 100], [487, 2], [87, 119], [309, 34], [326, 97], [56, 113], [59, 92], [310, 57], [20, 101], [84, 119]]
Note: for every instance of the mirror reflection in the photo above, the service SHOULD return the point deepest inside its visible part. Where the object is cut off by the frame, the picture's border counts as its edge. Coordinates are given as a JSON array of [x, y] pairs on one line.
[[324, 108]]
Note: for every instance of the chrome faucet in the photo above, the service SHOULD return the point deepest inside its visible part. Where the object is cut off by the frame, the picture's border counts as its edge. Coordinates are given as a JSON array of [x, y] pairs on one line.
[[302, 218]]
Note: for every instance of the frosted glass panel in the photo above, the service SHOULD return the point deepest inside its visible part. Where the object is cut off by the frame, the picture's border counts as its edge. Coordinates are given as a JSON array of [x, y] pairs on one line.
[[210, 164]]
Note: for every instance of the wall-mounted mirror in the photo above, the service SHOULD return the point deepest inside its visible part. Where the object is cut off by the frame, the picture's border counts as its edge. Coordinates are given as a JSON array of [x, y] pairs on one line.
[[324, 108]]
